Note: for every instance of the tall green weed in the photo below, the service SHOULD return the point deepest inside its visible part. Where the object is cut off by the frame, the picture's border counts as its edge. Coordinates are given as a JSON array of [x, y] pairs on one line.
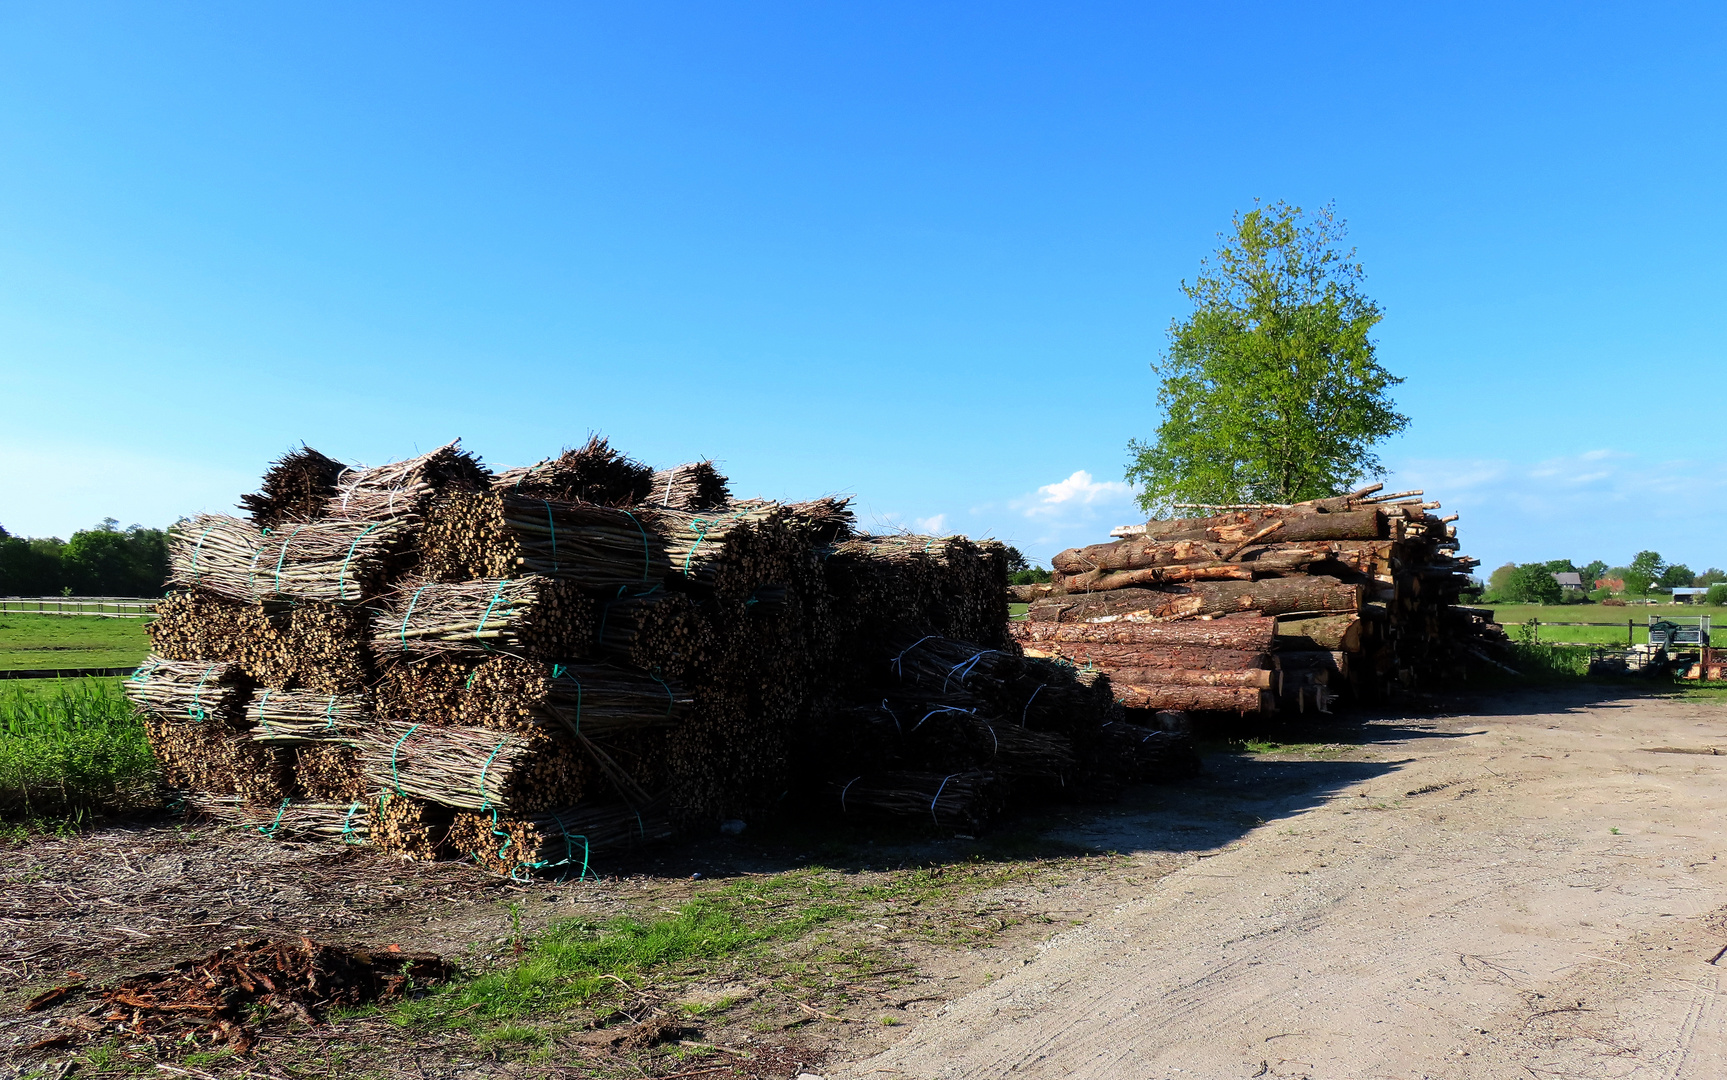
[[70, 750]]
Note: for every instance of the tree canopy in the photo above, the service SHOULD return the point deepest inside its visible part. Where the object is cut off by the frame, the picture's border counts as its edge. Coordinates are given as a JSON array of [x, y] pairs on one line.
[[1271, 389], [104, 561]]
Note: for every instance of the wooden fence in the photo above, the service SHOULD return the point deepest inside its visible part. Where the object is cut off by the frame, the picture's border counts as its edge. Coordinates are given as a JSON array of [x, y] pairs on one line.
[[107, 607]]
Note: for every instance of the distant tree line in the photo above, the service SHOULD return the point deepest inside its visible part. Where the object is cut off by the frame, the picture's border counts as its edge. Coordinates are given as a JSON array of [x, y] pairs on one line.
[[104, 561], [1645, 575], [1022, 572]]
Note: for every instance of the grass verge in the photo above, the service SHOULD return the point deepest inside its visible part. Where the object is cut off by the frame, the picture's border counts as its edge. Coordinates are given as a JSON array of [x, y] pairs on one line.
[[70, 641], [70, 750]]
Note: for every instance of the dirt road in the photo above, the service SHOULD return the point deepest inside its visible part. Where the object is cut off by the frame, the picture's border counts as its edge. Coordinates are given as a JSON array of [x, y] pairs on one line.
[[1531, 894]]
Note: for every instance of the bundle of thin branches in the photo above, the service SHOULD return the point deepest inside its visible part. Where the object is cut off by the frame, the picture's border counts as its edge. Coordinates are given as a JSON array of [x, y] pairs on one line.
[[474, 768], [194, 625], [556, 841], [400, 491], [594, 473], [291, 819], [594, 700], [964, 800], [326, 648], [858, 736], [827, 520], [412, 828], [1147, 754], [424, 689], [326, 770], [295, 716], [693, 486], [1048, 695], [660, 632], [207, 757], [296, 487], [533, 616], [327, 559], [726, 551], [941, 736], [182, 692], [939, 663], [492, 535]]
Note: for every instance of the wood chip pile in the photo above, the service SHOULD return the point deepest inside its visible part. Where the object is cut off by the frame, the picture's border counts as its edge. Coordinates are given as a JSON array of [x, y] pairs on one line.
[[1261, 609], [582, 654]]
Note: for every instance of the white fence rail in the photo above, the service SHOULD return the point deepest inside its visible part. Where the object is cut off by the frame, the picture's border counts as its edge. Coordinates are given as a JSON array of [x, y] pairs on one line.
[[107, 607]]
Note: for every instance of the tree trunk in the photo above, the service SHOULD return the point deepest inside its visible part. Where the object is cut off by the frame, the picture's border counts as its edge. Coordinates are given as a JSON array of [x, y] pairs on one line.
[[1195, 698], [1234, 528], [1100, 580], [1269, 557], [1273, 596], [1112, 656], [1246, 634], [1259, 679]]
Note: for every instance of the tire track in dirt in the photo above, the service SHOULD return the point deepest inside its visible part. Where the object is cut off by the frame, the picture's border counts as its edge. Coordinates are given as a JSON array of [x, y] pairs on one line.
[[1528, 897]]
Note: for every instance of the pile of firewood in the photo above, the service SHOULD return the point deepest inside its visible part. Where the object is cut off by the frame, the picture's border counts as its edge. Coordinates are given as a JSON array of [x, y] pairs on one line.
[[581, 654], [1258, 609]]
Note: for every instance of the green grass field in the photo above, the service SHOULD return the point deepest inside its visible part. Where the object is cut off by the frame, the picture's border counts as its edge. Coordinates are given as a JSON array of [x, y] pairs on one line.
[[70, 641], [1607, 624], [70, 750]]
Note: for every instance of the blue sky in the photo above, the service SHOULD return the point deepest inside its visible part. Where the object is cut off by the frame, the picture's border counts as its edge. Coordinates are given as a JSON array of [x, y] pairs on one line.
[[923, 254]]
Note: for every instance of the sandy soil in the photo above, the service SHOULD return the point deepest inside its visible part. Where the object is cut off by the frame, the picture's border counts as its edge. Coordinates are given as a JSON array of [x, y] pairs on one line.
[[1524, 888], [1527, 891]]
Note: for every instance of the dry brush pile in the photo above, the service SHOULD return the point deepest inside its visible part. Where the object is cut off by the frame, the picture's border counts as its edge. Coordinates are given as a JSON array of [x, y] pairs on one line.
[[526, 667], [1258, 609]]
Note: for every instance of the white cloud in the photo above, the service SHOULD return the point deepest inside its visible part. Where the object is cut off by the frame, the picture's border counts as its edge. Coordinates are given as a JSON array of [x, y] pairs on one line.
[[931, 526], [1078, 490], [1605, 504]]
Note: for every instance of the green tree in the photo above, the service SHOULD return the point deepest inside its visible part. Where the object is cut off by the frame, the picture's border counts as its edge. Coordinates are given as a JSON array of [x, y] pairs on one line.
[[1271, 389], [1644, 572], [1497, 581], [1711, 576], [109, 561], [1675, 576], [1532, 583], [1592, 573], [31, 567]]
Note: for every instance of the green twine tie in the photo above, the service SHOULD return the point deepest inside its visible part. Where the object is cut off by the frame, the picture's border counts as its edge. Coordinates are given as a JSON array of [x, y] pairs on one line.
[[552, 525], [647, 555], [196, 709], [276, 587], [348, 823], [485, 800], [329, 714], [343, 576], [395, 777], [196, 575], [488, 612], [270, 830], [410, 613]]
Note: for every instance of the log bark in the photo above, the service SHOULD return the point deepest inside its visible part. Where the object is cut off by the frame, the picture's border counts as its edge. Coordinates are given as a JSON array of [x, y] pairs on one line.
[[1273, 556], [1258, 679], [1273, 596], [1113, 656], [1248, 634], [1099, 580], [1195, 698], [1026, 594], [1298, 524], [1333, 633]]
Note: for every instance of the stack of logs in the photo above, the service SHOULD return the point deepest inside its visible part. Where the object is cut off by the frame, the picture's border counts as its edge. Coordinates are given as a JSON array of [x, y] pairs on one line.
[[1263, 608], [525, 667]]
